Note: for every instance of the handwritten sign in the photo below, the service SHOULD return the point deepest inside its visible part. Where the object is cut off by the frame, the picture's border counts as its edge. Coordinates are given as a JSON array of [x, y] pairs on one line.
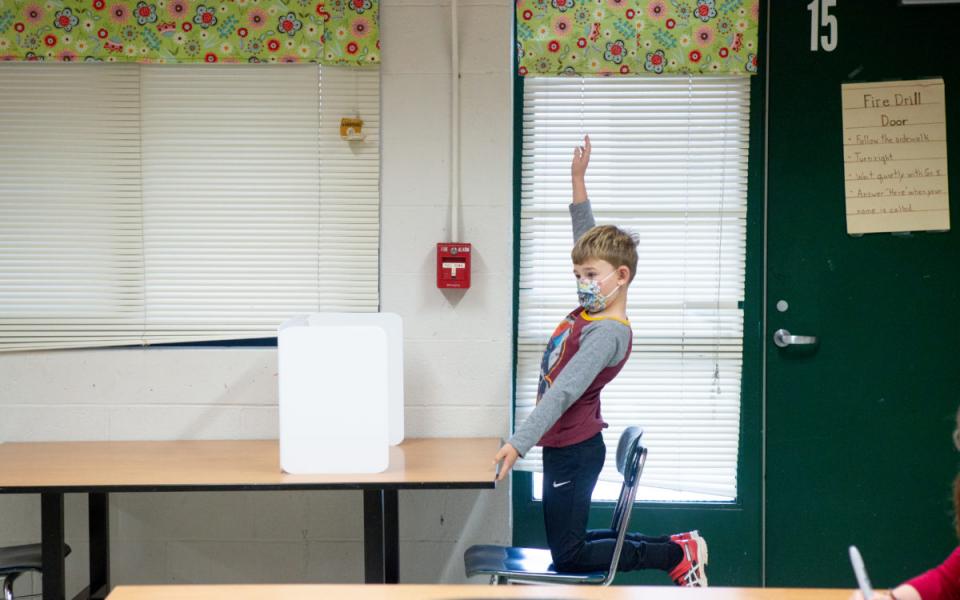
[[895, 156]]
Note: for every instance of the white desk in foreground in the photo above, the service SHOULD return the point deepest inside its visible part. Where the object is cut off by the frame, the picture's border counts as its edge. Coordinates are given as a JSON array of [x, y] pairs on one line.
[[463, 592]]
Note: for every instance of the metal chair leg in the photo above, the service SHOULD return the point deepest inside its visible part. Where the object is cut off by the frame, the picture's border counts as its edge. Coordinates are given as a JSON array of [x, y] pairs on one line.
[[8, 586]]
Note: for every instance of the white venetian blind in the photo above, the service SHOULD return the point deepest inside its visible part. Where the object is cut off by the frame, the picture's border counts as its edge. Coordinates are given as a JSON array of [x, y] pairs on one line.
[[349, 192], [181, 203], [669, 163], [71, 261]]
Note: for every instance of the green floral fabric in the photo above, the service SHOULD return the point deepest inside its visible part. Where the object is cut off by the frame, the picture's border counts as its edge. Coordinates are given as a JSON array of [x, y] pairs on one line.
[[609, 37], [342, 32]]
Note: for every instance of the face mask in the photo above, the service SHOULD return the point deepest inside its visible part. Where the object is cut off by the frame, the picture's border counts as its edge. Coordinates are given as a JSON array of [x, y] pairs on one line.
[[588, 292]]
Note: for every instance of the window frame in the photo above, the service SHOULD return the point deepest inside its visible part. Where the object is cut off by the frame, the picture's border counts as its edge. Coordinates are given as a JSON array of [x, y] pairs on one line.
[[737, 524]]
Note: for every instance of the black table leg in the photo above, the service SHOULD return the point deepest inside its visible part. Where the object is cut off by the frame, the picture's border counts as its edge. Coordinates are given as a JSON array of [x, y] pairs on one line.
[[373, 536], [381, 538], [391, 537], [99, 525], [51, 537]]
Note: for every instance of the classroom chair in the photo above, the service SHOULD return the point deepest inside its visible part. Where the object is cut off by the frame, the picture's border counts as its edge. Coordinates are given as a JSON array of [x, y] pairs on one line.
[[534, 565], [17, 560]]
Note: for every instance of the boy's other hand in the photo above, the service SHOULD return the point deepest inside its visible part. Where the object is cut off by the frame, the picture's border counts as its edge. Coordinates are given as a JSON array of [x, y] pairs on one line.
[[509, 455], [581, 158]]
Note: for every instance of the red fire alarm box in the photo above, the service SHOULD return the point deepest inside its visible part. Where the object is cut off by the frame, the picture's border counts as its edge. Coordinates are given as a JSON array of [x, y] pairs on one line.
[[453, 266]]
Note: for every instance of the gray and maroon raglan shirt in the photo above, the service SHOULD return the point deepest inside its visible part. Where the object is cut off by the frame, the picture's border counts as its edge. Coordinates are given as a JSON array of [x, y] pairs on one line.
[[583, 355]]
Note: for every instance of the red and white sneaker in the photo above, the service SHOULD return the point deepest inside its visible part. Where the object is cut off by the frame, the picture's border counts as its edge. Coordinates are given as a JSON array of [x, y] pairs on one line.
[[691, 571], [685, 536]]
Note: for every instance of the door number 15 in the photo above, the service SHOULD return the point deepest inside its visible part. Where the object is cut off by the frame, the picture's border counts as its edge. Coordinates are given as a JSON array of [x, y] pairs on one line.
[[819, 19]]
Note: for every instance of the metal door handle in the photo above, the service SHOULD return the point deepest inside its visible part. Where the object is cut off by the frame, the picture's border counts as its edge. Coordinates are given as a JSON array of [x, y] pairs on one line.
[[782, 339]]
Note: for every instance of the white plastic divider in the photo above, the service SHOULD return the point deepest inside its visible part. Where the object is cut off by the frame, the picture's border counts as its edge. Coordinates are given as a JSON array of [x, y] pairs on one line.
[[340, 392]]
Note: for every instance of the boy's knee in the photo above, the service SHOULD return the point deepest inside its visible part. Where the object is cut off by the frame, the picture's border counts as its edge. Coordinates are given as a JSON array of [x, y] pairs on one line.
[[566, 565], [565, 558]]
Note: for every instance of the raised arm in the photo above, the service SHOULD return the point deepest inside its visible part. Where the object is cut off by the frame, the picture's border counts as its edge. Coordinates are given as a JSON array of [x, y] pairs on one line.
[[581, 214], [578, 168]]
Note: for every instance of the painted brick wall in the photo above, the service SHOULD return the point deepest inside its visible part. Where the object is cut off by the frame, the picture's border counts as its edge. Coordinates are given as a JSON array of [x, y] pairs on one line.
[[457, 350]]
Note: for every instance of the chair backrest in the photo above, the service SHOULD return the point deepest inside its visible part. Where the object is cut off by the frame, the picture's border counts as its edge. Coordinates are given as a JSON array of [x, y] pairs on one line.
[[628, 444], [631, 457]]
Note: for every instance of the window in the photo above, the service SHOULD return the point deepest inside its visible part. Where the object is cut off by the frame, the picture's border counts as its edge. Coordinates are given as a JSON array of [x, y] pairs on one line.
[[669, 162], [162, 203]]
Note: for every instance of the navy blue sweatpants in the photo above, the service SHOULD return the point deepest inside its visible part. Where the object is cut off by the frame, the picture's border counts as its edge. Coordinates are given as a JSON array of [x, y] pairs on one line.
[[569, 476]]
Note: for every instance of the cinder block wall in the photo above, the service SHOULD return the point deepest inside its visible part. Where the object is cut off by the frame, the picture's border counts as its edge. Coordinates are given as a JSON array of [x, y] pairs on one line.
[[457, 348]]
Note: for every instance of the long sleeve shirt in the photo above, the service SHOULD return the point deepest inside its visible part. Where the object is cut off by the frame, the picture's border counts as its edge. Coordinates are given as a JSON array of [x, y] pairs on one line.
[[941, 582], [583, 355]]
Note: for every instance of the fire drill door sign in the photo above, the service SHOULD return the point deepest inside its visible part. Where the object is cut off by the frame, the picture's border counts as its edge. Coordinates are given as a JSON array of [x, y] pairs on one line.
[[895, 156]]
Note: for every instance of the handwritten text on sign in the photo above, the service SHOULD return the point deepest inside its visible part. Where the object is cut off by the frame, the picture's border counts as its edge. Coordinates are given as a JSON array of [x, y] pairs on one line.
[[895, 156]]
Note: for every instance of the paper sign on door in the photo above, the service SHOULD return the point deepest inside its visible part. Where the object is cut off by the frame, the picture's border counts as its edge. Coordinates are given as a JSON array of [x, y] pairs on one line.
[[895, 156]]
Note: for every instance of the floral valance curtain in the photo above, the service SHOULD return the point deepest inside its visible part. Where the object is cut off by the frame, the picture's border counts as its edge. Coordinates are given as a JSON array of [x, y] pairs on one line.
[[609, 37], [333, 32]]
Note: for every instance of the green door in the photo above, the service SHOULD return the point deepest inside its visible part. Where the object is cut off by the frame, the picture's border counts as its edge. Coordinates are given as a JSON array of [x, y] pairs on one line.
[[858, 426]]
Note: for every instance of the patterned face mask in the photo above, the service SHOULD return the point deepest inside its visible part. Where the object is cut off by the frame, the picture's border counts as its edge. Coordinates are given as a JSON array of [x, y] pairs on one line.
[[588, 293]]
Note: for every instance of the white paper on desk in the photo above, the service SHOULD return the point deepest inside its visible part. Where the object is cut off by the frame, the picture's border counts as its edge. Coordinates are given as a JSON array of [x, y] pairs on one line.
[[334, 383]]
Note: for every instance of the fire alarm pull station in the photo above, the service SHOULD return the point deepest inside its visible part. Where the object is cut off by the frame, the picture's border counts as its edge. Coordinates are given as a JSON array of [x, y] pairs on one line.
[[453, 266]]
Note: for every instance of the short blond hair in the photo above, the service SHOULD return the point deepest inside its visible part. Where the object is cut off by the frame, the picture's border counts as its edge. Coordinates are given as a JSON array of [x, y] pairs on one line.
[[609, 243]]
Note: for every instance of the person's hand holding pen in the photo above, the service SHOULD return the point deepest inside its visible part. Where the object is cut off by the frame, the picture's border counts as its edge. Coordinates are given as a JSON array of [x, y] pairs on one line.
[[509, 455], [902, 592]]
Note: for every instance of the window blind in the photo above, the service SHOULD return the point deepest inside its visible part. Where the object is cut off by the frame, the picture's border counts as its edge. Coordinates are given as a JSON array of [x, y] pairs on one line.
[[148, 203], [71, 262], [669, 163], [349, 240]]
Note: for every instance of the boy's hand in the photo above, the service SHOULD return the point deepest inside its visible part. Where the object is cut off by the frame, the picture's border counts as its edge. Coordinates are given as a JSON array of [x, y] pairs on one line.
[[578, 168], [509, 455], [581, 158]]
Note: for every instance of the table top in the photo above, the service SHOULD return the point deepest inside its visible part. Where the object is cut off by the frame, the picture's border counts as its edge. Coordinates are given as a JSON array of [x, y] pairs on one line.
[[463, 592], [220, 465]]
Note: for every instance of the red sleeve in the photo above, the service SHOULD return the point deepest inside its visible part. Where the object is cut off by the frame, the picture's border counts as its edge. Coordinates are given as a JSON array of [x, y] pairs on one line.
[[940, 583]]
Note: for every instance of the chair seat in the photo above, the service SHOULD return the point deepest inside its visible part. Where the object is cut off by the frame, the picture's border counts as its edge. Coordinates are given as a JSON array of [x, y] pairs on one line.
[[19, 559], [522, 564]]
